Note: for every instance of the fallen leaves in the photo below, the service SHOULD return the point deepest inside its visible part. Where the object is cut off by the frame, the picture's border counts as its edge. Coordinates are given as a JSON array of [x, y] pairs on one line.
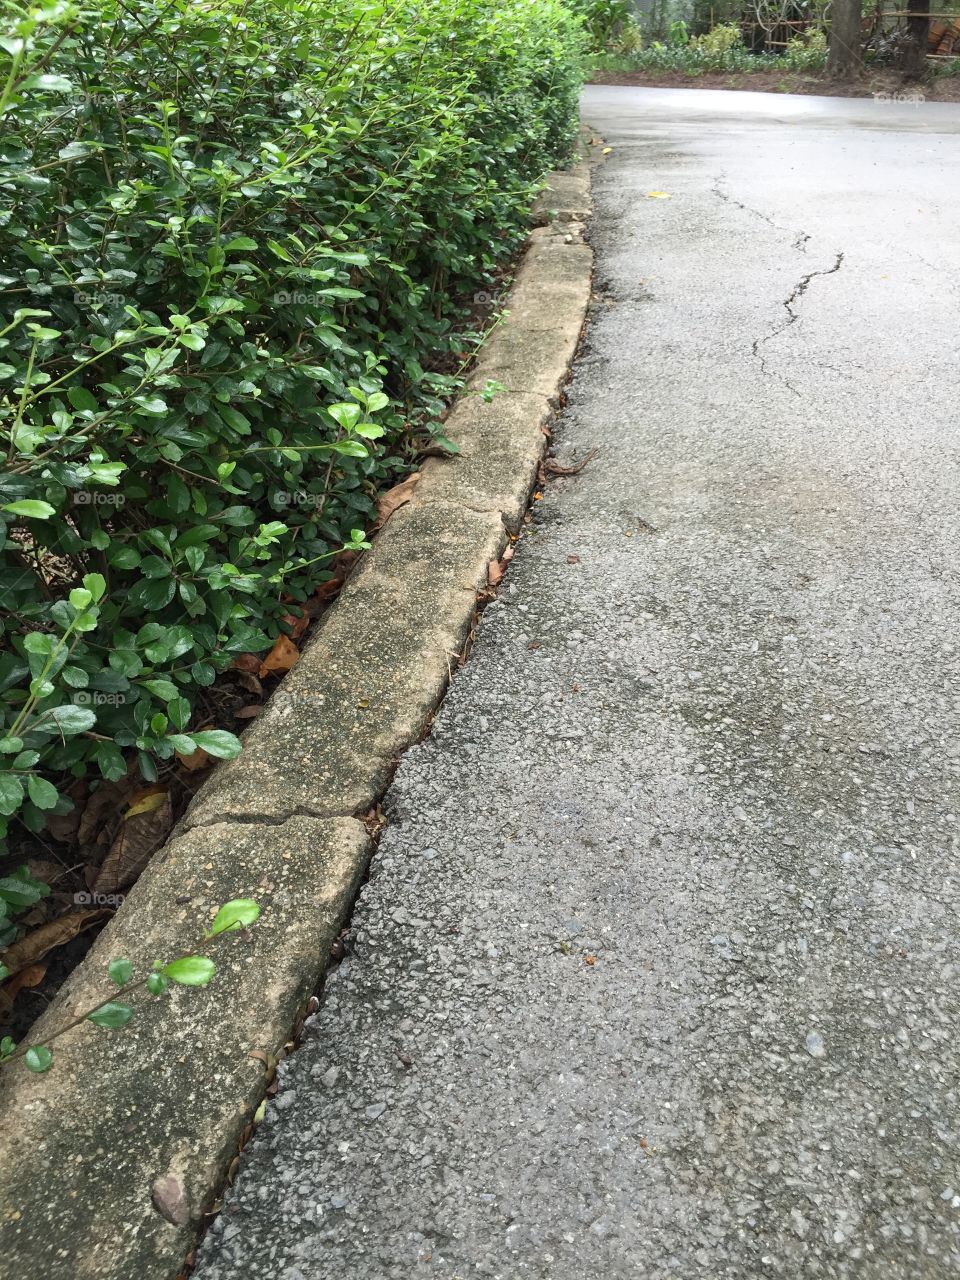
[[395, 498], [297, 622], [143, 830], [31, 948], [497, 568], [246, 662], [659, 195], [281, 657]]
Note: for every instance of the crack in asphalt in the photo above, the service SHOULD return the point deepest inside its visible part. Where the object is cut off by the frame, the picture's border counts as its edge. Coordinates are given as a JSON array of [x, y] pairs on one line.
[[801, 238], [793, 316]]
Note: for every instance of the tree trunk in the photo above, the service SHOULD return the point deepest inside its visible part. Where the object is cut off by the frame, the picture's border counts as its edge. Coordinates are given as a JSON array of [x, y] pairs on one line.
[[843, 46], [913, 51]]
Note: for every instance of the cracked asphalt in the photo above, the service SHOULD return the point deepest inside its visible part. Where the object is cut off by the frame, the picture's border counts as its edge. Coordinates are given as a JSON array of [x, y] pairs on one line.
[[656, 974]]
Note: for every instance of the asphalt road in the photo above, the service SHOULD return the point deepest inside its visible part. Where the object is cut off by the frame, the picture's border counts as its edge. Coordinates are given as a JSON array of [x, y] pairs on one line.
[[658, 974]]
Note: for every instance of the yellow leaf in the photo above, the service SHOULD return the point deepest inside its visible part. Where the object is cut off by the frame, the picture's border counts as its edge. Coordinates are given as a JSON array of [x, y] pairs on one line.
[[146, 804], [606, 151], [659, 195]]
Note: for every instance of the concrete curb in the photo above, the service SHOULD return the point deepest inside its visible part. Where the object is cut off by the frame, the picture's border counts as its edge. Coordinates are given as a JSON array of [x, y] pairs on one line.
[[109, 1162]]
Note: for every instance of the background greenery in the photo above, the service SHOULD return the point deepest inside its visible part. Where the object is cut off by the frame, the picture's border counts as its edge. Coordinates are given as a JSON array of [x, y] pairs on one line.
[[235, 242]]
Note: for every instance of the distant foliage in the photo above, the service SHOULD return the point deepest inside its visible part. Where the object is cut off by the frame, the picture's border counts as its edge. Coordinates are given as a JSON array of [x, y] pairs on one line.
[[233, 236], [719, 49], [610, 25]]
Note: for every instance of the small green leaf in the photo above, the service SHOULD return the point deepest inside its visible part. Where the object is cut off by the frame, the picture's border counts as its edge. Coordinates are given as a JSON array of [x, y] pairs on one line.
[[111, 1015], [120, 972], [164, 689], [190, 971], [32, 509], [156, 984], [96, 584], [42, 793], [218, 742], [69, 720], [38, 1058], [11, 794], [237, 914]]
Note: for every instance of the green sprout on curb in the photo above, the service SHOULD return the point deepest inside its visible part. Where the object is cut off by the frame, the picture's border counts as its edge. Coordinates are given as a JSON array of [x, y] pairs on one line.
[[110, 1012]]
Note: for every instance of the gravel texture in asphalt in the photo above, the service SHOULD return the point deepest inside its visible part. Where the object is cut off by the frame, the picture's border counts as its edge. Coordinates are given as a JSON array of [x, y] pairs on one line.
[[657, 971]]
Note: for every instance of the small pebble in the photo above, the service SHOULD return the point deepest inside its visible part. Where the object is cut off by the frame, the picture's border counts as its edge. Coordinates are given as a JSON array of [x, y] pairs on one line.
[[814, 1044]]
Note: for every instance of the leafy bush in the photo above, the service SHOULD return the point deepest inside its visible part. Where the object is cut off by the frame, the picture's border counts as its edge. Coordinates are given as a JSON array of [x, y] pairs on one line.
[[609, 24], [807, 52], [718, 42], [233, 237]]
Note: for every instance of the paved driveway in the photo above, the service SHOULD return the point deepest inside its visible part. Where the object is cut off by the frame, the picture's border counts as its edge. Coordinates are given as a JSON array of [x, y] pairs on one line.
[[658, 974]]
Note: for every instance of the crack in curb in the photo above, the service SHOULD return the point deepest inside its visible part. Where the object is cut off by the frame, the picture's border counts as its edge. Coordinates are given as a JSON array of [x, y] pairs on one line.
[[792, 317]]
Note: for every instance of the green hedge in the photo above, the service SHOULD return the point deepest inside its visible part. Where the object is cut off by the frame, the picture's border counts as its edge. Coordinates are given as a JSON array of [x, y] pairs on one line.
[[235, 239]]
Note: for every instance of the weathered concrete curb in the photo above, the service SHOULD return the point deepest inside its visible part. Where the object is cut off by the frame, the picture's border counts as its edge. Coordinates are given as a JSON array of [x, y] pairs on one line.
[[109, 1162]]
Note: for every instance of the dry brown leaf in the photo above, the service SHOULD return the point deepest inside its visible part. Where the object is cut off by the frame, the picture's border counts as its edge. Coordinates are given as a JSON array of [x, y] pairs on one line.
[[32, 976], [245, 662], [195, 760], [144, 829], [281, 657], [340, 567], [106, 800], [247, 680], [327, 590], [396, 497], [33, 946], [297, 623], [573, 559], [494, 572], [248, 713]]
